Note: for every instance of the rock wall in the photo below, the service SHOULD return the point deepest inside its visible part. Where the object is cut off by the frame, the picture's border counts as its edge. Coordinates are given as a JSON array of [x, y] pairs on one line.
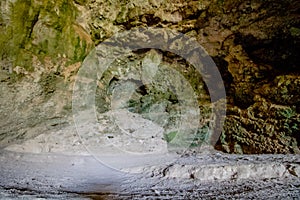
[[255, 45]]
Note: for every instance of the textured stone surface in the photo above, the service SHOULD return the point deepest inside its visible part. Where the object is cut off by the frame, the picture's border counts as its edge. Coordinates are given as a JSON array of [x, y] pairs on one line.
[[31, 176], [255, 45]]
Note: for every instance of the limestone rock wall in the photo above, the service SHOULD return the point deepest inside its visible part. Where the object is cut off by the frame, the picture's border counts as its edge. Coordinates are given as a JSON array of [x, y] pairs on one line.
[[255, 45]]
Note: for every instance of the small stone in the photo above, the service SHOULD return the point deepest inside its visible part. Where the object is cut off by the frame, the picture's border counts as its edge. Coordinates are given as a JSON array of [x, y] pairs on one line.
[[294, 170]]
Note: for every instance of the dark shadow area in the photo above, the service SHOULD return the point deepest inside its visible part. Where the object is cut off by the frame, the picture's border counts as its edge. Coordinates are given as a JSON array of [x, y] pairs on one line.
[[281, 51]]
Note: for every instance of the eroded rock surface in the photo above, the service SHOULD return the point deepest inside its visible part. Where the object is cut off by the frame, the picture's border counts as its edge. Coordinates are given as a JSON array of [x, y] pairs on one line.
[[255, 45]]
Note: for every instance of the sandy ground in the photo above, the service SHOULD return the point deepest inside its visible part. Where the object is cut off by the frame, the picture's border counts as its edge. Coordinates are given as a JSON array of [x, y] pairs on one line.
[[57, 176], [58, 164]]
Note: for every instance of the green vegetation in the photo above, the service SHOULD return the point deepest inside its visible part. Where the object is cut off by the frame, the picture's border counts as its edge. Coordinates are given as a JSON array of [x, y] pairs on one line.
[[42, 29], [170, 136], [287, 113], [201, 137], [295, 32]]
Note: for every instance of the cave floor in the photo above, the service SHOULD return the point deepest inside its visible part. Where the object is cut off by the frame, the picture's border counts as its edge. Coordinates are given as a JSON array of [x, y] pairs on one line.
[[58, 176]]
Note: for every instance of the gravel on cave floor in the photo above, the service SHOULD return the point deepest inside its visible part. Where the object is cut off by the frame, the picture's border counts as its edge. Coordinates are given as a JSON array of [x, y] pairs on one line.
[[58, 176]]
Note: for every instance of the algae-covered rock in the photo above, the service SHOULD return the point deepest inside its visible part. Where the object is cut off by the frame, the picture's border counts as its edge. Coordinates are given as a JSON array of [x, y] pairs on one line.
[[41, 42], [43, 29]]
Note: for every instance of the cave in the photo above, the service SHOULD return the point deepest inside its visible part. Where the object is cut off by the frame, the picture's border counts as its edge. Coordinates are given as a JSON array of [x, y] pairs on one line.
[[157, 99]]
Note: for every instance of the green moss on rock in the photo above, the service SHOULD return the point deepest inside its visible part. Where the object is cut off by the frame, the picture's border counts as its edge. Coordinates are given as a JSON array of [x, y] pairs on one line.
[[44, 29]]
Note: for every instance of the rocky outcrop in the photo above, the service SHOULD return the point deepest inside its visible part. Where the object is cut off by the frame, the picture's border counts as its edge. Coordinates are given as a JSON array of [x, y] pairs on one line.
[[255, 45]]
